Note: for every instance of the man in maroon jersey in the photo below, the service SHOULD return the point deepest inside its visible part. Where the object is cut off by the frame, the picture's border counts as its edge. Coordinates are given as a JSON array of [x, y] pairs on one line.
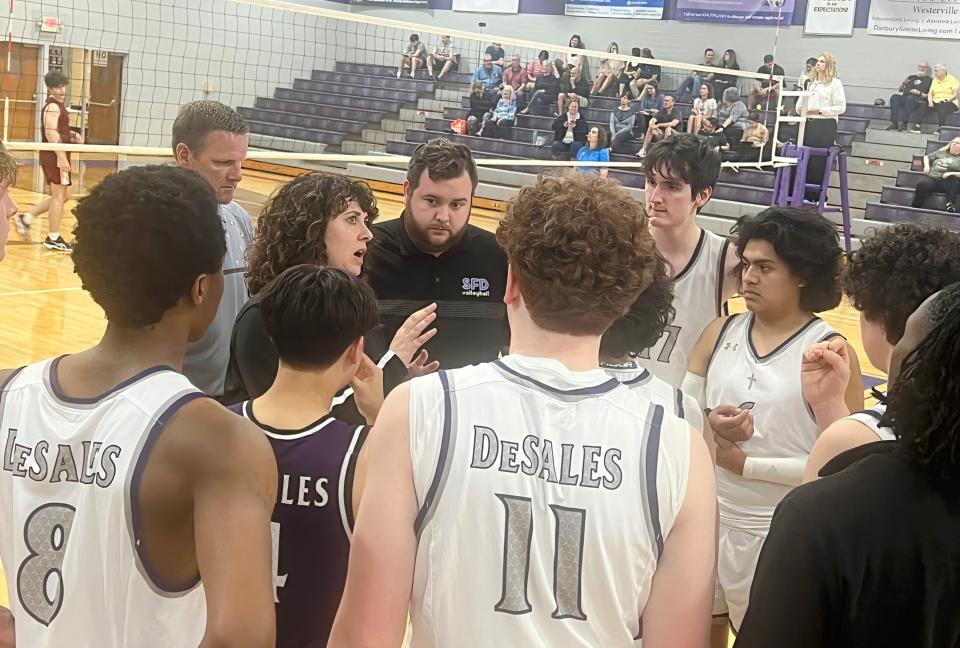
[[55, 165]]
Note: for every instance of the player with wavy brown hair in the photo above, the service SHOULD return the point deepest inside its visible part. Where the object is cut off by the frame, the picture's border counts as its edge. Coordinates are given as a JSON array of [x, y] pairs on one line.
[[535, 500]]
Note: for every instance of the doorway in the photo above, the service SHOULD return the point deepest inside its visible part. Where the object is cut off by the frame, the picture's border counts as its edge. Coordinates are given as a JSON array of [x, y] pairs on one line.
[[18, 88], [103, 100]]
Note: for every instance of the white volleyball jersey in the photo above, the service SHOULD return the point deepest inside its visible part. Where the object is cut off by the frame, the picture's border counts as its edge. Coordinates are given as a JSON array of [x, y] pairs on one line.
[[647, 386], [70, 533], [871, 418], [783, 422], [545, 497], [697, 300]]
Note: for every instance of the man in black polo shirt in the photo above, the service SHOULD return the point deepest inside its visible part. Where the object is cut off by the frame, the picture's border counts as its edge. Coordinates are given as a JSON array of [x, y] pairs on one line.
[[433, 254], [868, 556]]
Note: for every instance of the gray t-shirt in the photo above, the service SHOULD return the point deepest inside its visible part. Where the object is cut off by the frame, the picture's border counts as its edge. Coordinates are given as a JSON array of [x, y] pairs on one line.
[[943, 161], [207, 358]]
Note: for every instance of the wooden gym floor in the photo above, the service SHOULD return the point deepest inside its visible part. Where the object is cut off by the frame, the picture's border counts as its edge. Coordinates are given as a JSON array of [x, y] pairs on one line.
[[45, 312]]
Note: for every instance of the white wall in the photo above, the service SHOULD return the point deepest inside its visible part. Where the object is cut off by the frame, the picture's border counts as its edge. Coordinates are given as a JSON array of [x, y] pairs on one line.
[[174, 47]]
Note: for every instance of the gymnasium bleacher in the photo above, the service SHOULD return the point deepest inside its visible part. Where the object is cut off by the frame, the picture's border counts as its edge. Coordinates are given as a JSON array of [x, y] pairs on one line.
[[364, 109]]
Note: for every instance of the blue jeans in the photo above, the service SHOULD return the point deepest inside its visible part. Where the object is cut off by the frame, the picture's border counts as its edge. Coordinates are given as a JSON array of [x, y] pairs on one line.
[[691, 85]]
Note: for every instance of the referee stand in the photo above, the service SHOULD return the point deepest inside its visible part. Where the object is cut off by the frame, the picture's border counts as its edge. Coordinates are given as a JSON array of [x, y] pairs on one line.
[[790, 191]]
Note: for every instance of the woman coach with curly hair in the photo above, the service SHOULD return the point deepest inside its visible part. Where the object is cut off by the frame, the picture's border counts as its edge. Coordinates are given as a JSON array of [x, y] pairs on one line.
[[323, 220]]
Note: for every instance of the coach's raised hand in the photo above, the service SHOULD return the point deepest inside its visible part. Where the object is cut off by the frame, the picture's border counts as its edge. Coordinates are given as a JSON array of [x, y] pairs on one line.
[[414, 334]]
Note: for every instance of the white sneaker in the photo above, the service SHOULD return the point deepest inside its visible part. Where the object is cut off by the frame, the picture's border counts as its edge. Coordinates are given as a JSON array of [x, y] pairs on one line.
[[642, 153], [399, 74], [412, 76]]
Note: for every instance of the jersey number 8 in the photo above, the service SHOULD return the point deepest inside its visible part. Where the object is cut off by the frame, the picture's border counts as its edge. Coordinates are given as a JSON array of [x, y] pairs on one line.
[[46, 534]]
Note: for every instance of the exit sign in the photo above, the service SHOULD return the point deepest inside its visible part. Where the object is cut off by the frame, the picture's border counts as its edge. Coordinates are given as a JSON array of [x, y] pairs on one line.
[[50, 24]]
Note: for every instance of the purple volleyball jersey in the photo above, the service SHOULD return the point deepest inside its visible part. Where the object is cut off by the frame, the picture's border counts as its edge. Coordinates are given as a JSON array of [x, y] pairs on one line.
[[311, 524]]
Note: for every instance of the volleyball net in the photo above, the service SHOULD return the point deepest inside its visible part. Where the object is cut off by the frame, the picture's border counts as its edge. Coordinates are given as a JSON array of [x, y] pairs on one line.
[[317, 86]]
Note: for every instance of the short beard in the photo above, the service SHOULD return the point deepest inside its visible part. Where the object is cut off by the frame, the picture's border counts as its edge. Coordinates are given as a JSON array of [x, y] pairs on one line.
[[422, 241]]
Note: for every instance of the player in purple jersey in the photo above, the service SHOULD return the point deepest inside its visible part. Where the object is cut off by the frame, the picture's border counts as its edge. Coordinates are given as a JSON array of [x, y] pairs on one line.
[[317, 318]]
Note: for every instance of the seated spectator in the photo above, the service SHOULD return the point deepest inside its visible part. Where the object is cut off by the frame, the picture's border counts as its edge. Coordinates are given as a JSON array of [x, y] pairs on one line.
[[481, 103], [650, 104], [575, 79], [445, 55], [692, 83], [704, 107], [732, 114], [755, 136], [572, 63], [941, 99], [497, 54], [595, 151], [537, 68], [609, 72], [569, 133], [765, 90], [712, 136], [489, 75], [723, 81], [648, 71], [756, 133], [622, 122], [629, 73], [943, 176], [544, 86], [663, 124], [912, 95], [515, 76], [578, 94], [808, 75], [504, 115], [414, 56]]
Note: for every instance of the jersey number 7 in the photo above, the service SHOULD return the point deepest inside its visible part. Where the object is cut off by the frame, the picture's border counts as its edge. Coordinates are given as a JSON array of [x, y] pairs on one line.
[[673, 334]]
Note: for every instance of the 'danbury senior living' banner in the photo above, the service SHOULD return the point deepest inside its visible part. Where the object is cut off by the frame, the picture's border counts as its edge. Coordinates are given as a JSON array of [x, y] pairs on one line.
[[921, 18], [743, 12]]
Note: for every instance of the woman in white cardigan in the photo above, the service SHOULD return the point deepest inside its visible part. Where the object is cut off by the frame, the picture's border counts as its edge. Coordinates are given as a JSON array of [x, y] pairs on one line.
[[827, 102]]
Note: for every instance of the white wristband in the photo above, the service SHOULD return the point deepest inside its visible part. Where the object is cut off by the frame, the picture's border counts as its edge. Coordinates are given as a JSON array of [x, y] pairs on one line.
[[787, 470]]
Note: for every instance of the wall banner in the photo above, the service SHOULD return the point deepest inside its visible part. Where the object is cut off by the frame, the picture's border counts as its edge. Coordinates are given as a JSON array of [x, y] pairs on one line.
[[830, 17], [649, 9], [742, 12], [487, 6], [918, 18]]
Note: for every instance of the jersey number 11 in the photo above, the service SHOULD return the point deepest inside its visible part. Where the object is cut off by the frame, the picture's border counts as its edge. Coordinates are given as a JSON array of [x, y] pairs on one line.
[[567, 558]]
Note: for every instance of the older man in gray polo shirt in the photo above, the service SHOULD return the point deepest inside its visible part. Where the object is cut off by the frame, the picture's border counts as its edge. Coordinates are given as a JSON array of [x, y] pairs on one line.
[[211, 139]]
